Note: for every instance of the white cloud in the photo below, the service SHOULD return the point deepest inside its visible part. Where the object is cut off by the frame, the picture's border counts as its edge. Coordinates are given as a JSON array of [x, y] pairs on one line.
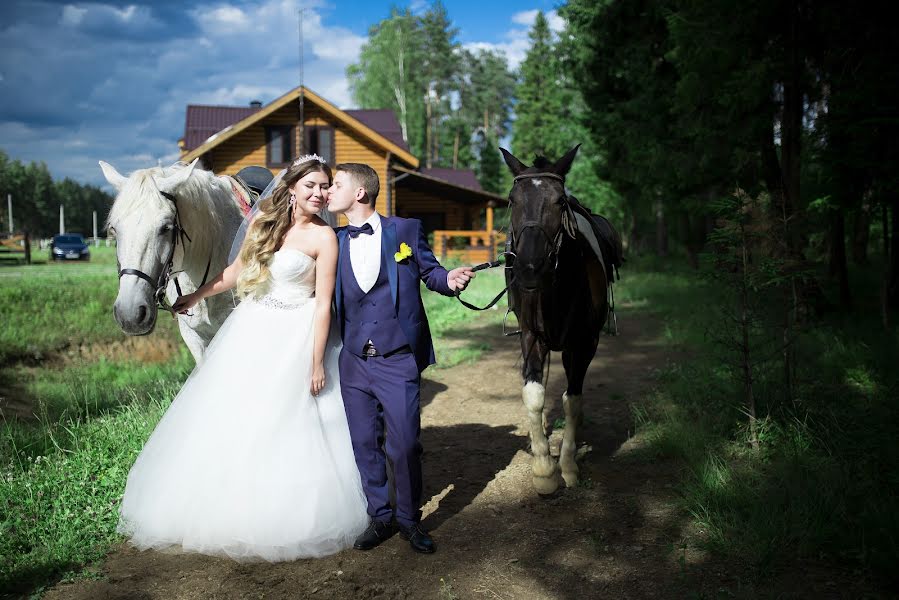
[[120, 90], [72, 15], [516, 41], [223, 19], [527, 18]]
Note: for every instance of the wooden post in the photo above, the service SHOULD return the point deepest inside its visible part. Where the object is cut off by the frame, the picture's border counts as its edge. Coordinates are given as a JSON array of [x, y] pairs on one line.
[[490, 238], [27, 248]]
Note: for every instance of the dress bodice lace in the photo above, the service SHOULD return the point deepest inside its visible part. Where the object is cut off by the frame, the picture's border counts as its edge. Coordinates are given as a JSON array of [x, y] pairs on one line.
[[292, 281]]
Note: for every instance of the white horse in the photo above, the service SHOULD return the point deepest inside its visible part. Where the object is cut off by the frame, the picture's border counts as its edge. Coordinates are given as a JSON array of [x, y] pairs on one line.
[[171, 222]]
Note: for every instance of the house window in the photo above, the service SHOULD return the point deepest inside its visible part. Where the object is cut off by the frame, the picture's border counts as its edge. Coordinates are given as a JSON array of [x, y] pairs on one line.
[[278, 146], [320, 140]]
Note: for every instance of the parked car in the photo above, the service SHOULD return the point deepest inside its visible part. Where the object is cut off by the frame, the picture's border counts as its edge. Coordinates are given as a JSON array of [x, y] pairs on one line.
[[69, 246]]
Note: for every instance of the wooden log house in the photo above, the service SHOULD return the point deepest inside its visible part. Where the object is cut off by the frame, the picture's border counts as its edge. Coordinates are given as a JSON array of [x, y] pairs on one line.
[[450, 202]]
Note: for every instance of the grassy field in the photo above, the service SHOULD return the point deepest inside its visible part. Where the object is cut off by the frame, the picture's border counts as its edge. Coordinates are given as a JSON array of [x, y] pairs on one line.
[[62, 472], [822, 487]]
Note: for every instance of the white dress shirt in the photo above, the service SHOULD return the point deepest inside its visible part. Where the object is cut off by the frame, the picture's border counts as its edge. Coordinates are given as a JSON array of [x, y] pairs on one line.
[[365, 253]]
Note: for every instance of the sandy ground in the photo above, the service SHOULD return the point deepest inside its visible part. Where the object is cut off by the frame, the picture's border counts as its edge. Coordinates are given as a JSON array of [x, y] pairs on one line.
[[618, 534]]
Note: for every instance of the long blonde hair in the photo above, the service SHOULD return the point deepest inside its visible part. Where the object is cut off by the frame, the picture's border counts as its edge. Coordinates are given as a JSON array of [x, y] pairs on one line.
[[265, 234]]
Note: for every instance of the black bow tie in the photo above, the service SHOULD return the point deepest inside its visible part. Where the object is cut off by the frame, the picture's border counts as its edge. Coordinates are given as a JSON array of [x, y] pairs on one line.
[[355, 231]]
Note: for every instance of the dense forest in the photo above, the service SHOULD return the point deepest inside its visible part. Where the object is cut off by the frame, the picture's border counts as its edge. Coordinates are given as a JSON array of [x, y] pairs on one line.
[[747, 152], [36, 199], [685, 103]]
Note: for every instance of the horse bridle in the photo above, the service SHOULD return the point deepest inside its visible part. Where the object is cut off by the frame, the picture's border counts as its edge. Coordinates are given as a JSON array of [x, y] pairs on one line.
[[567, 225], [162, 282], [509, 253]]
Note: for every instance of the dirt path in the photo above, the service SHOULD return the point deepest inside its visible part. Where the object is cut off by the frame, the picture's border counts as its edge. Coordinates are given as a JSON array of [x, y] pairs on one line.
[[614, 536]]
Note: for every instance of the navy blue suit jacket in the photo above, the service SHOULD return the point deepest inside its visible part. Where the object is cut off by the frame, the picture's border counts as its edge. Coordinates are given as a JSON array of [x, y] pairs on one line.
[[403, 278]]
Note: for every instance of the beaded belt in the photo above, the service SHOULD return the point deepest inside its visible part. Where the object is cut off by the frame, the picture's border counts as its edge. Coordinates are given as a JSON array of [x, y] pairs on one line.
[[272, 302]]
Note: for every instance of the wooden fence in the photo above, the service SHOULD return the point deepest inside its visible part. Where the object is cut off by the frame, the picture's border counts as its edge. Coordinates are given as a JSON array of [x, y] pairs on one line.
[[468, 247], [17, 247]]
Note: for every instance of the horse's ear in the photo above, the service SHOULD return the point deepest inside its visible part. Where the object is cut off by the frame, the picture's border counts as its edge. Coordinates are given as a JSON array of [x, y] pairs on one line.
[[563, 165], [515, 165], [116, 179], [170, 184]]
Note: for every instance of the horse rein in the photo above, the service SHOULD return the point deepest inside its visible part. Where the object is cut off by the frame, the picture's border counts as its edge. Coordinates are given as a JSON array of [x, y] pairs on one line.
[[162, 282]]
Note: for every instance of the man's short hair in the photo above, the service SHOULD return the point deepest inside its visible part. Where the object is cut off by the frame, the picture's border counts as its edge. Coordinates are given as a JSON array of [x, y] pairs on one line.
[[364, 177]]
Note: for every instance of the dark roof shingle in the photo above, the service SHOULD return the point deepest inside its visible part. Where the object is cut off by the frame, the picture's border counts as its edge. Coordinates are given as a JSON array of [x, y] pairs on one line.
[[462, 177], [203, 121], [382, 120]]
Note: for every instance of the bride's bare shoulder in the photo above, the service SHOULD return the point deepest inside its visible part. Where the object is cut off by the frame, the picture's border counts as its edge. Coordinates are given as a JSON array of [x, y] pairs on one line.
[[323, 230]]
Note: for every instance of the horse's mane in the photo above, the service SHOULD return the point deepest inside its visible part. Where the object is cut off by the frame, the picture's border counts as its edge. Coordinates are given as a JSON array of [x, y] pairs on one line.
[[541, 162], [204, 195]]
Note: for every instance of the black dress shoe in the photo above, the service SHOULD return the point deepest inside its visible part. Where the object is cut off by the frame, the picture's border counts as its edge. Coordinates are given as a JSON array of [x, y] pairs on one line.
[[376, 533], [418, 538]]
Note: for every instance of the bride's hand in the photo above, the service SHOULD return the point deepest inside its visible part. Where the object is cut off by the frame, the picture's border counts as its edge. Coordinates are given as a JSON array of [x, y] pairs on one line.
[[184, 303], [318, 379]]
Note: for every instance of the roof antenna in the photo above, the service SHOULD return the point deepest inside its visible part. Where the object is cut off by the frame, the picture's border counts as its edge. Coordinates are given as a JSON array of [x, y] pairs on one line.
[[301, 130]]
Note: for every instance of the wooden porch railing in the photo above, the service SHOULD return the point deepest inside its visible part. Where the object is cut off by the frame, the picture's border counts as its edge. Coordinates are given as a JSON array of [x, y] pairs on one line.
[[468, 246]]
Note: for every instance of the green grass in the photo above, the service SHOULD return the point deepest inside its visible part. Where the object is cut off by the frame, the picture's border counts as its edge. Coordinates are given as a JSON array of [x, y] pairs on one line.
[[449, 319], [822, 487], [46, 307], [59, 507]]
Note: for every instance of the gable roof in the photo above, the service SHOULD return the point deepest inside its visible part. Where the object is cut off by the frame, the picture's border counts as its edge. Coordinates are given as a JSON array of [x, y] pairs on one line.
[[203, 121], [382, 120], [344, 117]]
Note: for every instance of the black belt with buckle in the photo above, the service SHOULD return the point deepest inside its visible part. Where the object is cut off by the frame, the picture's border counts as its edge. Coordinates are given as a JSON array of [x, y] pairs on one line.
[[369, 350]]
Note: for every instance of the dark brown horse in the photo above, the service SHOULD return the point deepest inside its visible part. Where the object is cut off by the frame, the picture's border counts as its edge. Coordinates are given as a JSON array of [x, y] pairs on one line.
[[559, 290]]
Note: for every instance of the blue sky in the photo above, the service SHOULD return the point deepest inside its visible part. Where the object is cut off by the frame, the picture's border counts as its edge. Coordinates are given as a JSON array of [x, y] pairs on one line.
[[83, 82]]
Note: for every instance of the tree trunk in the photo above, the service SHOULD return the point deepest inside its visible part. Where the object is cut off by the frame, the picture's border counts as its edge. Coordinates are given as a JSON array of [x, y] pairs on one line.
[[746, 354], [892, 279], [791, 128], [885, 221], [661, 230], [428, 131], [838, 267], [861, 233]]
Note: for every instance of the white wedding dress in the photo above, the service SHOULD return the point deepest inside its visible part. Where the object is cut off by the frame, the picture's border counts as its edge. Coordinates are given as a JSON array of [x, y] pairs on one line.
[[246, 462]]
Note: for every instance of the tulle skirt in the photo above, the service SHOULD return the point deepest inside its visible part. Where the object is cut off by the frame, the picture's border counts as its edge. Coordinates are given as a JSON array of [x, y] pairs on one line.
[[247, 463]]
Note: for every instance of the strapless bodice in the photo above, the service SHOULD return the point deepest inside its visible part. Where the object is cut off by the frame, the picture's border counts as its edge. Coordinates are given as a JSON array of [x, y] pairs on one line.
[[292, 279]]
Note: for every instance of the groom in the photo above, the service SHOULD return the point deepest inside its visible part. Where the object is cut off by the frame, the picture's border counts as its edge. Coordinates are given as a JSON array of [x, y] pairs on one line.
[[386, 346]]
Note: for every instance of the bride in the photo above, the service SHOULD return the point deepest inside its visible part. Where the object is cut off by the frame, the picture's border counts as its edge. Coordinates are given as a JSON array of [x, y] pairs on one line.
[[253, 459]]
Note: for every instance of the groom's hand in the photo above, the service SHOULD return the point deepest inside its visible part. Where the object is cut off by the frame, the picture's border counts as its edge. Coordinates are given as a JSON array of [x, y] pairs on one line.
[[458, 278]]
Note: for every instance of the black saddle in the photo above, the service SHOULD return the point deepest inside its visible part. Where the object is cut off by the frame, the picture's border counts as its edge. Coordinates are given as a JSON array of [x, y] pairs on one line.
[[256, 179]]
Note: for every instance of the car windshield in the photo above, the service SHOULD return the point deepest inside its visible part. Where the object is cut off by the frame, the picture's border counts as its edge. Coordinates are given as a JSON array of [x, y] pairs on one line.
[[68, 239]]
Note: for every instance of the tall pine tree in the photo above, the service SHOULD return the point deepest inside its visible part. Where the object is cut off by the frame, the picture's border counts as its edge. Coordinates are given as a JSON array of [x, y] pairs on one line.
[[541, 99]]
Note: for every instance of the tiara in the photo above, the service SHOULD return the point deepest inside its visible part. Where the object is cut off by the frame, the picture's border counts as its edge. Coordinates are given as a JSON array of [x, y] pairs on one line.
[[307, 158]]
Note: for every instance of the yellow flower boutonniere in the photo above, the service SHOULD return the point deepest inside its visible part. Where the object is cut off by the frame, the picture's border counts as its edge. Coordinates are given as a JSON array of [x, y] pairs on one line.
[[404, 253]]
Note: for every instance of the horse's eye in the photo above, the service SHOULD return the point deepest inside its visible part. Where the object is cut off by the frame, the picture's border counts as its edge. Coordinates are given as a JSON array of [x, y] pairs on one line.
[[164, 229]]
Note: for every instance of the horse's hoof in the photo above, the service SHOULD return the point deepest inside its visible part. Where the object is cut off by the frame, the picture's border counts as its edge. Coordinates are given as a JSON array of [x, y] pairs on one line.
[[570, 478], [545, 485], [543, 467]]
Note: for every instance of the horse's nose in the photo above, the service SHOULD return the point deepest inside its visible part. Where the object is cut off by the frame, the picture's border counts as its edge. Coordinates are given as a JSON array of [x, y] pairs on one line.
[[135, 317]]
